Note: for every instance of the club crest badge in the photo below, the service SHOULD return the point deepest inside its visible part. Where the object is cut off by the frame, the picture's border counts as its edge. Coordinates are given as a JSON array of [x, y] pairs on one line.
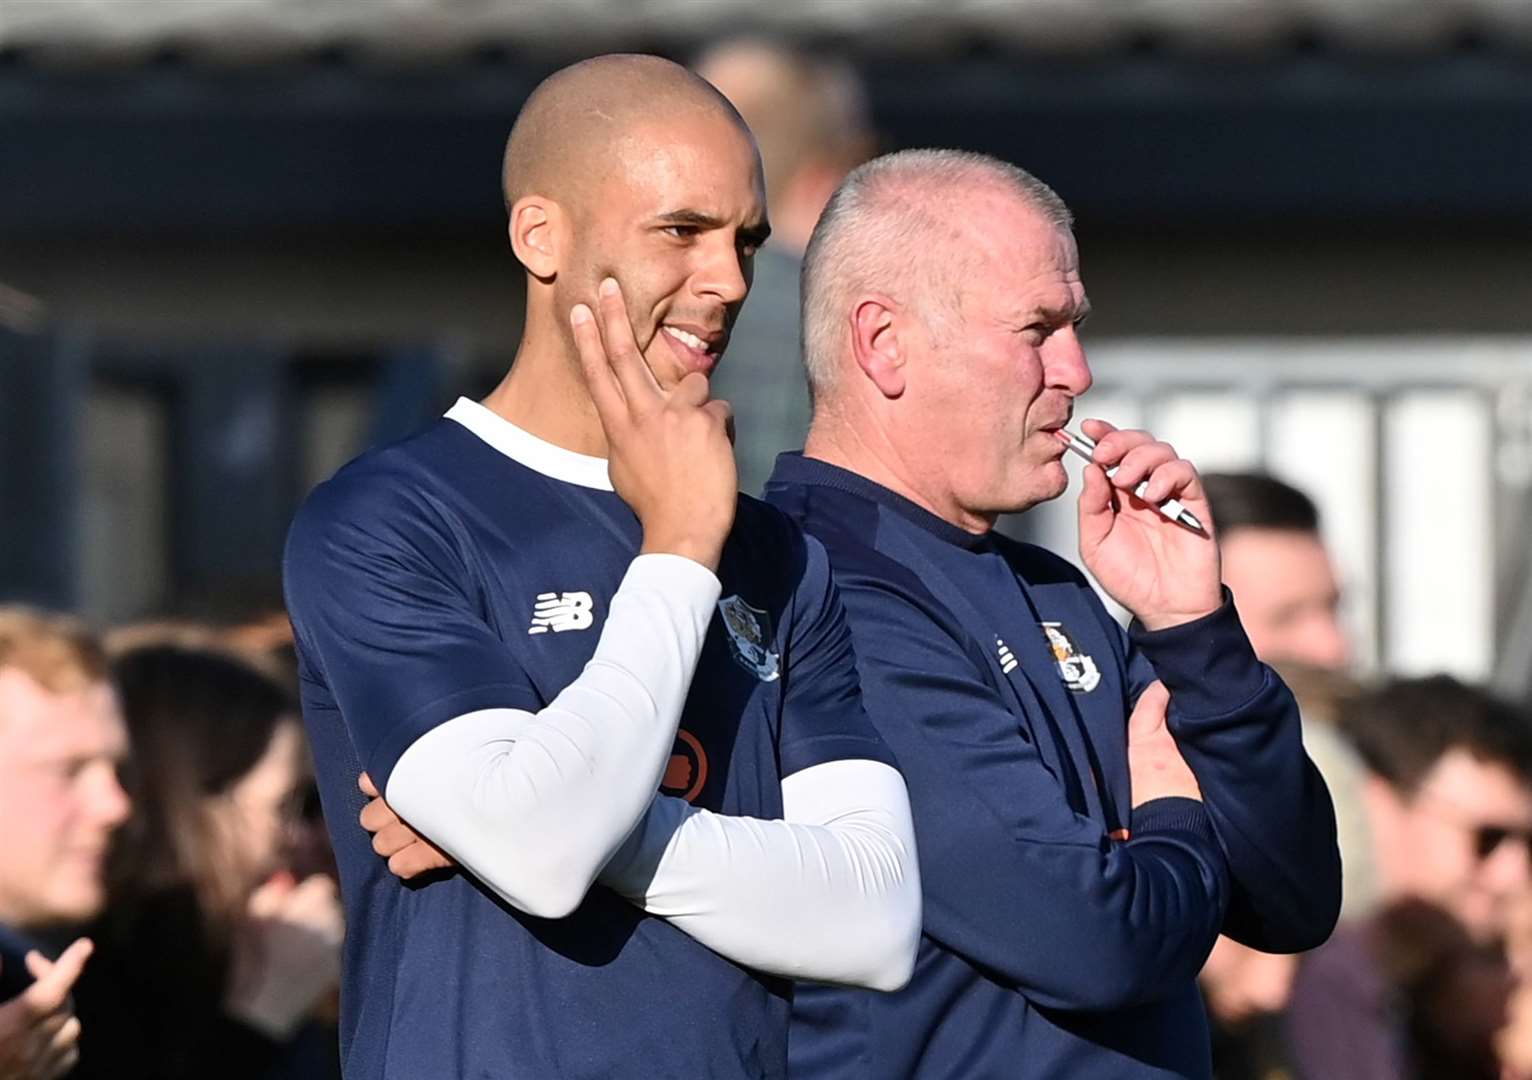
[[750, 638], [1078, 670]]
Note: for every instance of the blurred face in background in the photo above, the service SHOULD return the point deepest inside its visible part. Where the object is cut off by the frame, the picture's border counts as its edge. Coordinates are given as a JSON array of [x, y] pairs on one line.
[[60, 798], [1460, 841], [1284, 585], [258, 813], [990, 384], [1239, 982], [676, 220]]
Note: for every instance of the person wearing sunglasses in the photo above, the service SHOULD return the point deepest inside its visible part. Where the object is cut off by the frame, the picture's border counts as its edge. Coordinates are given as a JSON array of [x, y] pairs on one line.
[[1448, 797]]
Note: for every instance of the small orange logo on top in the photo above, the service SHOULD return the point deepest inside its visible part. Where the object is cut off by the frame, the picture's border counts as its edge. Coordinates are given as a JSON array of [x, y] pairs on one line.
[[687, 770]]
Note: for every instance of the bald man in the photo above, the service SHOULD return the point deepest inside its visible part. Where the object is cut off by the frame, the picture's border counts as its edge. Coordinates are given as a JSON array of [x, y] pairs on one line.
[[571, 656], [1092, 806]]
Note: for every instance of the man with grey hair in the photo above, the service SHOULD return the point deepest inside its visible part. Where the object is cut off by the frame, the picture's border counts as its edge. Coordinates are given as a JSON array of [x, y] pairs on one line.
[[1092, 806]]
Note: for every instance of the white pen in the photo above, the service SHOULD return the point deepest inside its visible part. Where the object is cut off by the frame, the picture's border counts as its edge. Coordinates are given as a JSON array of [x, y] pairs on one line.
[[1171, 508]]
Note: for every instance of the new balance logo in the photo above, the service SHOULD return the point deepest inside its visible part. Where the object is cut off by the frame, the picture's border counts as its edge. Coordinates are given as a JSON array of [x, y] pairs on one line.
[[561, 611], [1008, 659]]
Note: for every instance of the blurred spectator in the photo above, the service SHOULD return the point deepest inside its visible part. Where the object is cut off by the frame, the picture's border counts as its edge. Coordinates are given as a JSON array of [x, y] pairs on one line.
[[1275, 563], [212, 955], [250, 621], [256, 629], [1284, 584], [1448, 795], [61, 742], [1324, 697], [1246, 990], [809, 116], [1451, 991], [1449, 802]]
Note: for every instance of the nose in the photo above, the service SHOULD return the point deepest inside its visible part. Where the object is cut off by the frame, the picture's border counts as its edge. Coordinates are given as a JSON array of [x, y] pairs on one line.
[[722, 275], [1064, 363], [109, 804], [1326, 643]]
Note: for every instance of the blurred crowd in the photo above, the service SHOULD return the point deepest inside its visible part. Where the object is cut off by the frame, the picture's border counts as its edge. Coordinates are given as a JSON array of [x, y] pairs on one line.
[[1426, 975], [168, 905]]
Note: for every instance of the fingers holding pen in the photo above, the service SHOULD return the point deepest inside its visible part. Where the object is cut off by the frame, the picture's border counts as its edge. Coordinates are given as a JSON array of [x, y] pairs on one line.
[[1174, 479], [1137, 462], [1128, 455]]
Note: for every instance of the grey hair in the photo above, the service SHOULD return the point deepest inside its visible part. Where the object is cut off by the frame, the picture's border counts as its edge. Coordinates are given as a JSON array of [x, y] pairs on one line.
[[879, 230]]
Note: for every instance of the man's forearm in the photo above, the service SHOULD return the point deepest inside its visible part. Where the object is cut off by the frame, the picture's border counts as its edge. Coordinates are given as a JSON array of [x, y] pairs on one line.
[[535, 804], [1238, 727], [831, 894]]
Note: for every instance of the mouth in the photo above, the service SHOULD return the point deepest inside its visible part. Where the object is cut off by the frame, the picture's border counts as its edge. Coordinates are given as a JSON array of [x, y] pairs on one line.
[[698, 348]]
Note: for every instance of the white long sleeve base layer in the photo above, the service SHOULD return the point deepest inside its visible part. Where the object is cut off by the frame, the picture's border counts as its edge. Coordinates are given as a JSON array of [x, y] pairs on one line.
[[535, 804], [831, 893]]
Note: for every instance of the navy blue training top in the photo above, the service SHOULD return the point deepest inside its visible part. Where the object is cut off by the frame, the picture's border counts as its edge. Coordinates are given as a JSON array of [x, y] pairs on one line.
[[440, 576], [1062, 930]]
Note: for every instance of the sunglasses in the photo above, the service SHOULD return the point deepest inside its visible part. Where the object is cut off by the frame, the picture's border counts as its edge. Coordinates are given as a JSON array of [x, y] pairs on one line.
[[1487, 837]]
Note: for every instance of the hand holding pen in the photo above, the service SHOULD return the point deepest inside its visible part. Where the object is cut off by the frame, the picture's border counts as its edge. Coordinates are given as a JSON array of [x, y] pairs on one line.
[[1085, 447], [1145, 528]]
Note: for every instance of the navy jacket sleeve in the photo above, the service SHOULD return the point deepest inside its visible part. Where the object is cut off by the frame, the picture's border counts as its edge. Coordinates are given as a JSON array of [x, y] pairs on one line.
[[375, 588], [1013, 879], [823, 718], [1237, 726]]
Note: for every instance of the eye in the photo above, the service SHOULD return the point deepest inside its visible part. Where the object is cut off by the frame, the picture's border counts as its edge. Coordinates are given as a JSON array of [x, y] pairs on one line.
[[70, 769], [681, 232]]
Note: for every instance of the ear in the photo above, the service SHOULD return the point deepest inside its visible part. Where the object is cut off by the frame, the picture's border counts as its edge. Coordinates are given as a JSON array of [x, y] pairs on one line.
[[537, 234], [876, 345]]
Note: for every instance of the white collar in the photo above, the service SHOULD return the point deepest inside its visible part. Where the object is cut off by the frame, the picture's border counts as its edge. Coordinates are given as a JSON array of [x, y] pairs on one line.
[[526, 448]]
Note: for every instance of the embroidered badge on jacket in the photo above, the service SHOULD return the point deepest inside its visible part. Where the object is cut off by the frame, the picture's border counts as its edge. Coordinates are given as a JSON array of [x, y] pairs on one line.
[[750, 637], [1077, 669]]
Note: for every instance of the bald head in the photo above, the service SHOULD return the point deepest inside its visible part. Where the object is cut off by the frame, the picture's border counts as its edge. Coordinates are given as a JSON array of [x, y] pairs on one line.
[[566, 133], [635, 169], [895, 226]]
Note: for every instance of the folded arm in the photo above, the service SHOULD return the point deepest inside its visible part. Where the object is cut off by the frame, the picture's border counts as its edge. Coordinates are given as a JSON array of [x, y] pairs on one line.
[[1237, 725], [831, 893], [534, 804], [1033, 892]]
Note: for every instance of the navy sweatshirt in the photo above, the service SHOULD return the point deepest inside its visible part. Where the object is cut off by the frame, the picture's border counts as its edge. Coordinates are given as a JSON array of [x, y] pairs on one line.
[[1063, 930]]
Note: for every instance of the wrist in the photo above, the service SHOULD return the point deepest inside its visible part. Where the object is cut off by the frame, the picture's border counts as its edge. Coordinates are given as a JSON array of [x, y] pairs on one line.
[[1169, 619], [704, 550]]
